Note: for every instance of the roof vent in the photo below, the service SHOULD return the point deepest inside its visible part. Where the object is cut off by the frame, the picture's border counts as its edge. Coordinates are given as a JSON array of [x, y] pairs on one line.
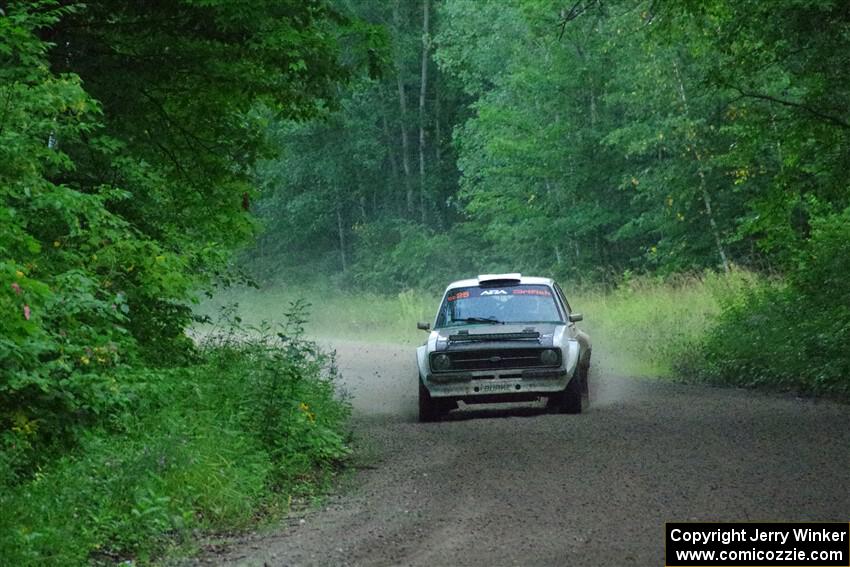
[[490, 278]]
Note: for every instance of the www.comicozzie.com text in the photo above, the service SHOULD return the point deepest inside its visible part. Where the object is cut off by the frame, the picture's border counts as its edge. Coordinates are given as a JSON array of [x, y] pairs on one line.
[[743, 534]]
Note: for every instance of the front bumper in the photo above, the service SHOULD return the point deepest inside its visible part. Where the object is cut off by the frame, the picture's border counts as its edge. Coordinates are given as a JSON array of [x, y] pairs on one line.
[[489, 382]]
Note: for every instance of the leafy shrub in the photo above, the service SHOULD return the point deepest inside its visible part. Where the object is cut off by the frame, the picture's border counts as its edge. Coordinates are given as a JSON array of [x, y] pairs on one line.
[[213, 446], [288, 399], [792, 335], [62, 347], [118, 202], [72, 270]]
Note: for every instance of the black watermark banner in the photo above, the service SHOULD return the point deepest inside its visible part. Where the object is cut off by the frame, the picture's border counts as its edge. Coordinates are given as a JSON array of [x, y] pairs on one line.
[[745, 544]]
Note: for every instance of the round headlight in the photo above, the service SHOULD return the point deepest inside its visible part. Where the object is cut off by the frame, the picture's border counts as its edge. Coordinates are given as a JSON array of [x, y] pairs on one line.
[[441, 362], [549, 357]]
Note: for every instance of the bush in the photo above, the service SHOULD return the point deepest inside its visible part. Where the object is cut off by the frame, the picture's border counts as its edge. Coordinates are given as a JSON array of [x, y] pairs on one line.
[[790, 335], [211, 446], [82, 291]]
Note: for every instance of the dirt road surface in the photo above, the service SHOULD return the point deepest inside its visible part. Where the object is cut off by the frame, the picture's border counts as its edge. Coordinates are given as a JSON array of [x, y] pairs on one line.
[[523, 487]]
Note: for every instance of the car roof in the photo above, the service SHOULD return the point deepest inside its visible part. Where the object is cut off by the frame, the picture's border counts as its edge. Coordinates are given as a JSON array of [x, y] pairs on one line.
[[517, 278]]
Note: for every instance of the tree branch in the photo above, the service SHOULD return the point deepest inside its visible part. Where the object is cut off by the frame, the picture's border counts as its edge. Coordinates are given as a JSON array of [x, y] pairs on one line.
[[190, 136], [813, 111], [579, 8]]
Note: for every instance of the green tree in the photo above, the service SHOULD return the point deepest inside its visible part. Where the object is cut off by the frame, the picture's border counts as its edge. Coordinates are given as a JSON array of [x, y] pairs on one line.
[[127, 135]]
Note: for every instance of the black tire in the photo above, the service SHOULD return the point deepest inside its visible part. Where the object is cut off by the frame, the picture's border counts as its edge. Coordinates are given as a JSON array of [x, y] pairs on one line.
[[585, 379], [569, 400], [428, 408]]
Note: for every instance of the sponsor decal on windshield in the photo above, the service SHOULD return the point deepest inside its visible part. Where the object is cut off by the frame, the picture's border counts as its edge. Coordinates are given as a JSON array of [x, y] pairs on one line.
[[458, 295], [475, 292], [532, 291]]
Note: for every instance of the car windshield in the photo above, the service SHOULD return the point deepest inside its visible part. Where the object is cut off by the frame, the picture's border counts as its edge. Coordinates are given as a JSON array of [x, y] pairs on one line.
[[509, 304]]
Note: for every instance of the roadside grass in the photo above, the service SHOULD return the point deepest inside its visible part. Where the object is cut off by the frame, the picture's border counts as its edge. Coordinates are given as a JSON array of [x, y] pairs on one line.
[[643, 327], [646, 326], [335, 314], [221, 445]]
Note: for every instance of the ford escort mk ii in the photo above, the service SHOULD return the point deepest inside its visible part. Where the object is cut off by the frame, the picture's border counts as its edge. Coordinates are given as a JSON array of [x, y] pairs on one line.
[[503, 338]]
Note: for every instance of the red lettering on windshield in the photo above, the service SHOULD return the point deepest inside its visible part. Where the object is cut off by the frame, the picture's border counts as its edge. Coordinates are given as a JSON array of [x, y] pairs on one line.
[[459, 295]]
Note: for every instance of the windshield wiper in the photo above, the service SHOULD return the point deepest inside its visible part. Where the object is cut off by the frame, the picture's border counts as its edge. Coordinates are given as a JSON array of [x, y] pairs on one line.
[[492, 320]]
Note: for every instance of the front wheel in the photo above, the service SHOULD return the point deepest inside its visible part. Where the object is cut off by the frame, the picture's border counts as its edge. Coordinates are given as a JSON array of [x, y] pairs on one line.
[[585, 379], [428, 410], [569, 400]]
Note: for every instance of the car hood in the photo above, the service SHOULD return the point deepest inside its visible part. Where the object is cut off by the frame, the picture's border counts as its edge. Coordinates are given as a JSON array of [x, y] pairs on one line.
[[496, 336]]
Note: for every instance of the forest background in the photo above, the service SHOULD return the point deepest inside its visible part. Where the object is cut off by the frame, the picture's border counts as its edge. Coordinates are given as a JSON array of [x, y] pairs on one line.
[[680, 167]]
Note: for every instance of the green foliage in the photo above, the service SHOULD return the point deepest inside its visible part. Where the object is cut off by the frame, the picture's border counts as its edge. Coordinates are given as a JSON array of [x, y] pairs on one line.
[[211, 446], [792, 335], [612, 138], [62, 323], [401, 255], [783, 72], [623, 138], [291, 383], [334, 177], [127, 133]]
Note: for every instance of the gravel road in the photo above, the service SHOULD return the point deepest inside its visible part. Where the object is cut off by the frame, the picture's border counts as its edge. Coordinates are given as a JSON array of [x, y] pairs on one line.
[[523, 487]]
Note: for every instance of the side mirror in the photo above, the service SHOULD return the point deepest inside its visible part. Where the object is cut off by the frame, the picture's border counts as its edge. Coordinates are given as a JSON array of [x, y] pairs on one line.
[[423, 326], [576, 317]]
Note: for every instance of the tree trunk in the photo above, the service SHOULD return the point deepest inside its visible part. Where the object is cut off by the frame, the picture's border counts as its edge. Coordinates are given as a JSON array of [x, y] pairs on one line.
[[402, 103], [393, 181], [437, 135], [423, 87], [592, 109], [706, 197], [341, 230], [439, 210]]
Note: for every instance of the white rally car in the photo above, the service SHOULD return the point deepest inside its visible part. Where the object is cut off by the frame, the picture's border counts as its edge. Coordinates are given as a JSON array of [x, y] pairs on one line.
[[503, 338]]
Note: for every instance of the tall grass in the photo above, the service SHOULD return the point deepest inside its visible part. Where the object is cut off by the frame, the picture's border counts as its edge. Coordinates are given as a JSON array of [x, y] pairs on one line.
[[643, 327], [335, 314], [647, 325]]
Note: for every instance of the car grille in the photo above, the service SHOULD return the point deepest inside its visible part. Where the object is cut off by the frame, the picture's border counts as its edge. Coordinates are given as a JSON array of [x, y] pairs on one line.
[[496, 359]]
